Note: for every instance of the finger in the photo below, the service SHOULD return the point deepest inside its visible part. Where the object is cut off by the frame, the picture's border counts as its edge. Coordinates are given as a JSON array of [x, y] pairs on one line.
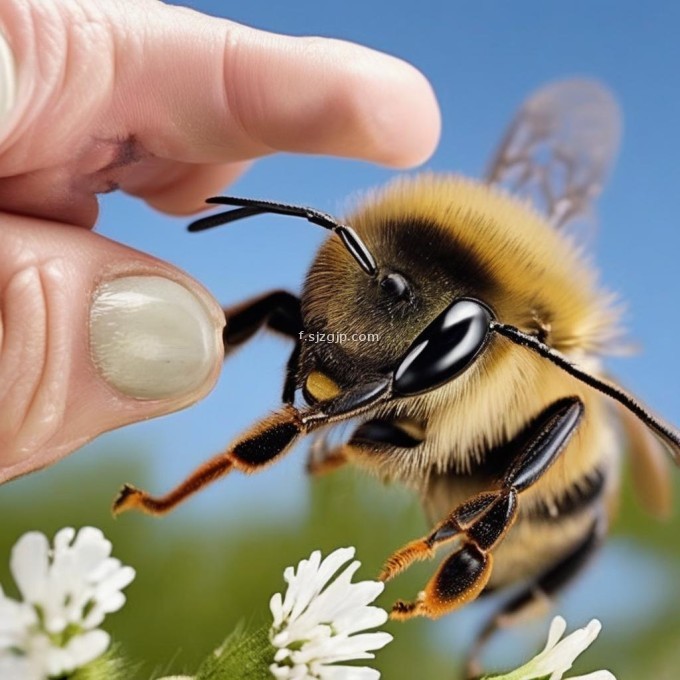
[[181, 188], [325, 96], [155, 81], [94, 335], [261, 92]]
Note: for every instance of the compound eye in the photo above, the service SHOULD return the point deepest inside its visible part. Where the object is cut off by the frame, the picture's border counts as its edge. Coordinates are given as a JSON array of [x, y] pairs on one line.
[[446, 348], [396, 286]]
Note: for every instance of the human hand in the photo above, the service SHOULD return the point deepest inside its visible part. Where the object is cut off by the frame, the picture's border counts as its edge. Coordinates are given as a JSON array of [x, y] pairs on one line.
[[169, 105]]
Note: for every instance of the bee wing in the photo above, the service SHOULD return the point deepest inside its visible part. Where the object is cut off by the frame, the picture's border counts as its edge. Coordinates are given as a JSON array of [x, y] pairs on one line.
[[649, 466], [559, 149]]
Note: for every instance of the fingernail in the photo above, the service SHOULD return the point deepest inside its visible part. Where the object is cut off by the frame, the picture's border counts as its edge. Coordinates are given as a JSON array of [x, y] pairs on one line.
[[8, 78], [151, 338]]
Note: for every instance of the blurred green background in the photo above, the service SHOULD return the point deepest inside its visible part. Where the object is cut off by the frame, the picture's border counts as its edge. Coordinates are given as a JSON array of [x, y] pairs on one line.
[[200, 574]]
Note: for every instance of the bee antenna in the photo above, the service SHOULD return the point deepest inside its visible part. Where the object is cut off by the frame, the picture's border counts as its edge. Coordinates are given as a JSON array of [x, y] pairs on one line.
[[247, 207], [669, 436]]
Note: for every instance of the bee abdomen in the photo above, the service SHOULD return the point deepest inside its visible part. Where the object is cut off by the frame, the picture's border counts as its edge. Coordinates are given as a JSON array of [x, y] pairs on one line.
[[574, 499]]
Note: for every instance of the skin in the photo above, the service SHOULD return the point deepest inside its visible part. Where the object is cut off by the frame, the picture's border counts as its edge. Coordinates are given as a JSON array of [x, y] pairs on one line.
[[101, 105]]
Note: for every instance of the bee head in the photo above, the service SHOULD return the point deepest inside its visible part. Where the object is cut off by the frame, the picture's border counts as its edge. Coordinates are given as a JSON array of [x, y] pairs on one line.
[[371, 290]]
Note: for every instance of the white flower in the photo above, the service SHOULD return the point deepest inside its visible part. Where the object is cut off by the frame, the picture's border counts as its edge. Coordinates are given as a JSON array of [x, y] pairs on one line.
[[67, 590], [17, 620], [317, 623], [559, 655]]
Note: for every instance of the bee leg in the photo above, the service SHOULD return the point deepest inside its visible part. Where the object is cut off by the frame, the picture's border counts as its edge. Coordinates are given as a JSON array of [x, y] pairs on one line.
[[549, 434], [464, 574], [265, 442], [323, 458], [483, 521], [452, 527], [460, 578], [289, 384], [260, 446], [278, 310], [372, 437], [539, 593], [546, 439]]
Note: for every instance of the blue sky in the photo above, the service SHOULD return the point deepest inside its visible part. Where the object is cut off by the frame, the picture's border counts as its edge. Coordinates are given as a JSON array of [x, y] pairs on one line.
[[482, 58]]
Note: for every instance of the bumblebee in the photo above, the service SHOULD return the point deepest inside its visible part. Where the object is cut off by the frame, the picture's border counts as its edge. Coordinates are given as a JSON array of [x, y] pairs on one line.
[[485, 392]]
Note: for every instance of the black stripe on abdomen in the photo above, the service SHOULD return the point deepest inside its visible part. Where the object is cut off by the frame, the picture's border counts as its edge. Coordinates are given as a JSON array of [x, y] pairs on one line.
[[576, 498]]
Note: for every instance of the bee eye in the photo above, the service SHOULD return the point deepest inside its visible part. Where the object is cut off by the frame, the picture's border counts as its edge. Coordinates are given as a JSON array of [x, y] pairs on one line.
[[445, 349], [396, 286]]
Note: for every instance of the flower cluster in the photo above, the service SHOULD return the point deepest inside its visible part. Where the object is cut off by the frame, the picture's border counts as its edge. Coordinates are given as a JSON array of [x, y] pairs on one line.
[[318, 622], [67, 591], [559, 654]]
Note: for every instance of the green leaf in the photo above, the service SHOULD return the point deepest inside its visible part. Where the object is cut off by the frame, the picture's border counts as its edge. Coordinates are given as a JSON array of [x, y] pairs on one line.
[[111, 666], [242, 656]]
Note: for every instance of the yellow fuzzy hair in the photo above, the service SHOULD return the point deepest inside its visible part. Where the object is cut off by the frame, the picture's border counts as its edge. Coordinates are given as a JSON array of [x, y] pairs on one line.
[[534, 264]]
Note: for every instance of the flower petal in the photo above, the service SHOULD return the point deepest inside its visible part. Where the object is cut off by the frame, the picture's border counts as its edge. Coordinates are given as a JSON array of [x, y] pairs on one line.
[[558, 656], [316, 623], [276, 608], [349, 673], [90, 549], [366, 618], [63, 539], [564, 653], [88, 647], [557, 628], [19, 668], [29, 565]]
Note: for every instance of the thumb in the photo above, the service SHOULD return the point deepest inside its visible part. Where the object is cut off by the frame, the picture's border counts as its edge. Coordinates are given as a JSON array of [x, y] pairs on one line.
[[93, 335]]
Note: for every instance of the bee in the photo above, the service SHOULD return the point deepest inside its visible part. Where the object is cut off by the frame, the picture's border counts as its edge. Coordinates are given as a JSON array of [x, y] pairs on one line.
[[486, 392]]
